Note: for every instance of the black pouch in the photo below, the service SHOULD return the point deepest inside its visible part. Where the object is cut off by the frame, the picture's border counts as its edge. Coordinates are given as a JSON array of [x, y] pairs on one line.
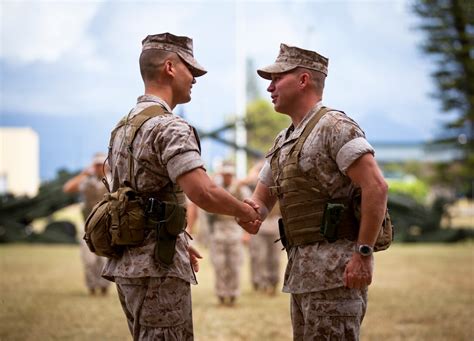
[[173, 223], [331, 218]]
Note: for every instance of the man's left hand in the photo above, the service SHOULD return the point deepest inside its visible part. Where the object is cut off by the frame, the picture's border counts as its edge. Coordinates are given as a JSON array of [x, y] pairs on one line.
[[359, 270], [194, 255]]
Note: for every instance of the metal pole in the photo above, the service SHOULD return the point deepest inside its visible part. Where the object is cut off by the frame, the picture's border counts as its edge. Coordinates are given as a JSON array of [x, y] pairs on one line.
[[241, 96]]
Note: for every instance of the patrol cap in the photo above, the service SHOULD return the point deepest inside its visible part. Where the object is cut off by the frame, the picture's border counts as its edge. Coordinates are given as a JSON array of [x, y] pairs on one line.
[[181, 45], [291, 57], [99, 158], [227, 167]]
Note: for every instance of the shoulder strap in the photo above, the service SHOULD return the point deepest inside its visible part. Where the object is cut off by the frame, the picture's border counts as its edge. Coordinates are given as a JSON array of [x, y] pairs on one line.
[[296, 149], [136, 122]]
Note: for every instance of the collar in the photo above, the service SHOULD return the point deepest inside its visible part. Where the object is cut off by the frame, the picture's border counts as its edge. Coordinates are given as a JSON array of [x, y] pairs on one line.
[[154, 98], [296, 131]]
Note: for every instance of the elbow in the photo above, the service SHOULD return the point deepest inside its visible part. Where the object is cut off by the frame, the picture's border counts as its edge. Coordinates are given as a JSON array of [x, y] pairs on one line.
[[382, 189], [201, 196]]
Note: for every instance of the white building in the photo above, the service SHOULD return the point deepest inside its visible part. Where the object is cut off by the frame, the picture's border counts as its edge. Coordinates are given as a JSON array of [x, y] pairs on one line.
[[19, 161]]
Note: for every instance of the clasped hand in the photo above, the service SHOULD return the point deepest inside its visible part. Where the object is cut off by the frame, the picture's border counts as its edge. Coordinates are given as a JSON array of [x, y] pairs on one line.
[[252, 221]]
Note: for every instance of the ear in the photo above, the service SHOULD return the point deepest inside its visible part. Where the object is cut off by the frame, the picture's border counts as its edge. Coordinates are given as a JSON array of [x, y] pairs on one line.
[[169, 68], [304, 80]]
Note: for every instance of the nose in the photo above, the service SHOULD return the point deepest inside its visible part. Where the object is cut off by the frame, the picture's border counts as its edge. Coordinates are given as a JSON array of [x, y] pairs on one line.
[[271, 87]]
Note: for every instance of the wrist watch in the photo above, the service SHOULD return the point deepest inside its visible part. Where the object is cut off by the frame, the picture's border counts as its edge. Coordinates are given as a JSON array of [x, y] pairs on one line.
[[364, 249]]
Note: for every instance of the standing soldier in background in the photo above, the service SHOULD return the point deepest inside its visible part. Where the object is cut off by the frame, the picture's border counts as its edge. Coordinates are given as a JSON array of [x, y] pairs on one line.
[[264, 251], [226, 242], [313, 169], [89, 184], [162, 163], [265, 254]]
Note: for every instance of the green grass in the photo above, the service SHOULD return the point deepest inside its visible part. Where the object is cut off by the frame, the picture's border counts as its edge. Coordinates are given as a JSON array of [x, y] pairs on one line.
[[420, 292]]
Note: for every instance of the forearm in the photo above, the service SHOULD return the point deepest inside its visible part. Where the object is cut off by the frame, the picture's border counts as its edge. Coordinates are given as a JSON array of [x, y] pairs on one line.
[[202, 191], [261, 196], [373, 206]]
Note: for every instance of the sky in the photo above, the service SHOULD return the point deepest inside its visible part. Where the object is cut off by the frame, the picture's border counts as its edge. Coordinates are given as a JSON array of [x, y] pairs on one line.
[[75, 63]]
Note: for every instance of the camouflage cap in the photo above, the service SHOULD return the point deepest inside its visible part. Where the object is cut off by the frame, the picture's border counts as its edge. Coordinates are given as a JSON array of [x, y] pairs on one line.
[[291, 57], [181, 45]]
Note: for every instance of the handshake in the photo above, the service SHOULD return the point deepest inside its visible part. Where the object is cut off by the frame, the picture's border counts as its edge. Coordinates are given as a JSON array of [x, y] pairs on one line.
[[251, 217]]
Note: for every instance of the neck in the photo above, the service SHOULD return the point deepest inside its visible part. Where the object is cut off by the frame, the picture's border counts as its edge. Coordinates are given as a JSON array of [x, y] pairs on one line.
[[164, 92], [303, 109]]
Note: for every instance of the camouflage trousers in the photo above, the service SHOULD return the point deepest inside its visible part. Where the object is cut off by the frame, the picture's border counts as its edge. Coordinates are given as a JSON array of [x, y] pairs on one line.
[[157, 308], [334, 314], [227, 260], [93, 266], [265, 257]]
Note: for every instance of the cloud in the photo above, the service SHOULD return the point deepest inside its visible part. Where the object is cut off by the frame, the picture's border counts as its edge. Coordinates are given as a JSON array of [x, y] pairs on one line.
[[44, 31]]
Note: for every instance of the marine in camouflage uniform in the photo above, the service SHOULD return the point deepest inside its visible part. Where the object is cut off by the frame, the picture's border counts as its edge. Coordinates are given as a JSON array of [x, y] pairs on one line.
[[327, 280], [88, 183], [155, 297], [265, 254], [226, 243]]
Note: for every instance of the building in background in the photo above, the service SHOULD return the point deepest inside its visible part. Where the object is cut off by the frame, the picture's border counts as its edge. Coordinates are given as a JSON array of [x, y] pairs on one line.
[[19, 161]]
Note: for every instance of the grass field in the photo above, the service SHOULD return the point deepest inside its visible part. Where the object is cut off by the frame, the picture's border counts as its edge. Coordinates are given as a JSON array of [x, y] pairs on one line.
[[420, 292]]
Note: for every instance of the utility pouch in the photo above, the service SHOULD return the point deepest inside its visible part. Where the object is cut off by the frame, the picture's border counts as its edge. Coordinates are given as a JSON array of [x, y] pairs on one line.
[[168, 229], [281, 229], [332, 216]]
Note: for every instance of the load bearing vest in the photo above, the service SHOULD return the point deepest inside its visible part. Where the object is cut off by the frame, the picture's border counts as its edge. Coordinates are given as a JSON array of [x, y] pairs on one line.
[[302, 199]]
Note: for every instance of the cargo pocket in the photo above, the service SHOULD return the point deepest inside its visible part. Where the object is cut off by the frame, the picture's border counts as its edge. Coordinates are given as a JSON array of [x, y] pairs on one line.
[[166, 303], [340, 320]]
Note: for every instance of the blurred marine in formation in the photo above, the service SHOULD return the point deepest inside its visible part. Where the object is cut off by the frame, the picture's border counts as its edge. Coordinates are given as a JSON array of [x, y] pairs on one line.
[[265, 254], [157, 154], [89, 184], [226, 242], [313, 169], [264, 251]]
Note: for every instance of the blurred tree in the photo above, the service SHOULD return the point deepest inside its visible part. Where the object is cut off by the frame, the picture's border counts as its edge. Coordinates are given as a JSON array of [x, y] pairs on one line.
[[449, 28], [263, 124]]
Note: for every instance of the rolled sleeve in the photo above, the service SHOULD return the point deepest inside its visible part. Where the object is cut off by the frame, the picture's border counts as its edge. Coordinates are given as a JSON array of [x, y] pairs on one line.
[[351, 151], [183, 163], [265, 175]]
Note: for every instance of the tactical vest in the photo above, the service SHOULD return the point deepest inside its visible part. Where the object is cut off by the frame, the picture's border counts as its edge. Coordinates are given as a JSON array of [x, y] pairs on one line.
[[302, 198], [164, 210], [170, 192]]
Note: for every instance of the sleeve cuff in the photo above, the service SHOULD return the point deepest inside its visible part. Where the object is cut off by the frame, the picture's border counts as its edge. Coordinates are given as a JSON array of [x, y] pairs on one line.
[[183, 163], [265, 175], [351, 151]]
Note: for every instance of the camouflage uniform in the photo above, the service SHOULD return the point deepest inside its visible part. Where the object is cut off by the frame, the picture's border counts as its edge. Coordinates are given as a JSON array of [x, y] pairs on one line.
[[265, 254], [226, 249], [314, 274], [155, 298], [92, 190]]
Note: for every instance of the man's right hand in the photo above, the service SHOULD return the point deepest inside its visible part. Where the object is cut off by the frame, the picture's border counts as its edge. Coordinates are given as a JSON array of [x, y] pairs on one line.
[[250, 220]]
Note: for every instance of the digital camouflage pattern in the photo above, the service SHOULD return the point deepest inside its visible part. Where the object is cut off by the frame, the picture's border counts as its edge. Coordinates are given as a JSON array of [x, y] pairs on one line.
[[329, 150], [291, 57], [333, 145], [168, 147], [226, 250], [335, 314], [157, 308], [92, 190], [265, 254], [181, 45], [156, 298]]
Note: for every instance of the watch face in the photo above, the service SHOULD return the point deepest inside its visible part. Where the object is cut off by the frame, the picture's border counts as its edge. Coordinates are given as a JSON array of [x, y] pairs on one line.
[[365, 250]]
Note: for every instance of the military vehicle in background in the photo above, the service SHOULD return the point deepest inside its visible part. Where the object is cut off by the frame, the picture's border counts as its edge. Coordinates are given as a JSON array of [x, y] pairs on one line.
[[17, 214]]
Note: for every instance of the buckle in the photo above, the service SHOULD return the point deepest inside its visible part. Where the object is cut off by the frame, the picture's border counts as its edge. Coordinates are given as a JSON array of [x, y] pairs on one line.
[[150, 206]]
